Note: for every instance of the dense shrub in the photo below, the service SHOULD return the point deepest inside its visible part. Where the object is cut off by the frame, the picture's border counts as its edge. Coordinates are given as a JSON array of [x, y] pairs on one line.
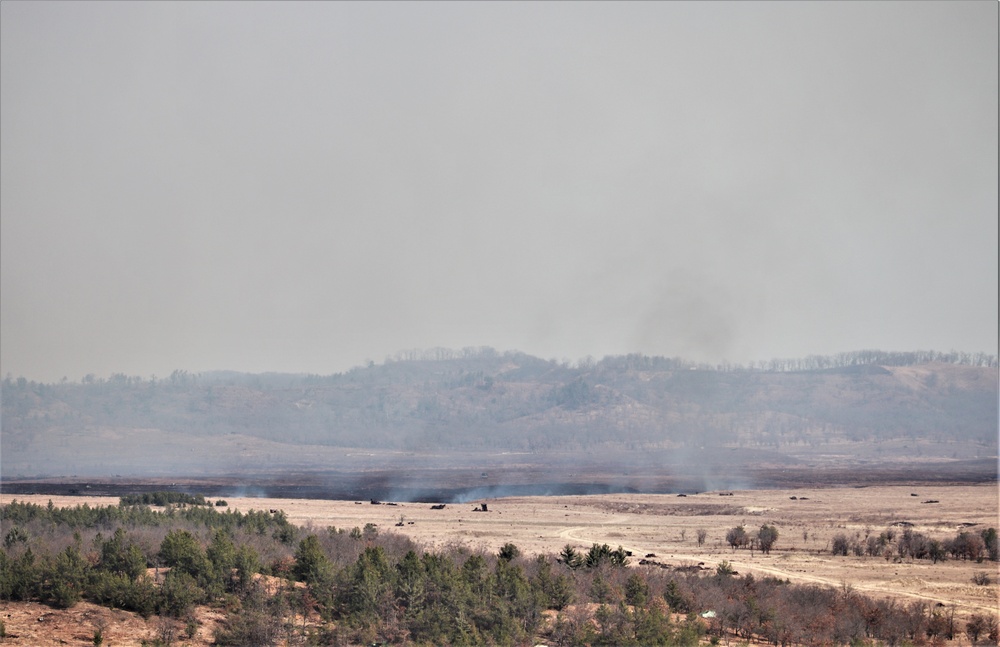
[[737, 537], [601, 553], [915, 545], [118, 591], [967, 545], [990, 541], [767, 536], [182, 552], [980, 625], [311, 563], [120, 556], [257, 622], [63, 579], [570, 557]]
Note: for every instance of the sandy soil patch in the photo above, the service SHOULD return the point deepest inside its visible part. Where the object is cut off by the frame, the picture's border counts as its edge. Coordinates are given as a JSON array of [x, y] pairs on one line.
[[36, 625]]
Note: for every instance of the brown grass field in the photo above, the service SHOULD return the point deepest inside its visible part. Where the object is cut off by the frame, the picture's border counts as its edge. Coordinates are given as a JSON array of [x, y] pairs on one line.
[[662, 524]]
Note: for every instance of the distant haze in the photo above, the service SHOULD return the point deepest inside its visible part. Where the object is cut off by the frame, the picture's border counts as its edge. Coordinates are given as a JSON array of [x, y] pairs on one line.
[[303, 187]]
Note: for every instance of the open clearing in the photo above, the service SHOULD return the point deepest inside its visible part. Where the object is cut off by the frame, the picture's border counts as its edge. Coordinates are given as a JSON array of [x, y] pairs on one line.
[[666, 526]]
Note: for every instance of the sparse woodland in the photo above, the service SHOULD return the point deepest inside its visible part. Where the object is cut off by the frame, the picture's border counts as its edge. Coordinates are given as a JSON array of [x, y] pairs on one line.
[[281, 583]]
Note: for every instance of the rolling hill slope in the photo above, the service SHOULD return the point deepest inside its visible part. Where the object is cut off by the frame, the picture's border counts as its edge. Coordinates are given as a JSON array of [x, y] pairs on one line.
[[857, 407]]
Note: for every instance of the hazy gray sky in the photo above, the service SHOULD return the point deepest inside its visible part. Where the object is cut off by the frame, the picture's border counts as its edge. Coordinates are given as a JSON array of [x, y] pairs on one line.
[[302, 187]]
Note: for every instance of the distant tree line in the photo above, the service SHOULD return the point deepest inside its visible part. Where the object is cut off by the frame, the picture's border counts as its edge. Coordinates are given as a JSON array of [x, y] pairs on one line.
[[486, 354], [915, 545], [163, 498], [871, 357]]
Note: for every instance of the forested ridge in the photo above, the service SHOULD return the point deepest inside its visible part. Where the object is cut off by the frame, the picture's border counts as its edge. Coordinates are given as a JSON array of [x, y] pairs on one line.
[[481, 399]]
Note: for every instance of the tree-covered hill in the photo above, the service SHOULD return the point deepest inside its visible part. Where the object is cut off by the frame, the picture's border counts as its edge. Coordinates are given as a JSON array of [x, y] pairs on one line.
[[484, 400]]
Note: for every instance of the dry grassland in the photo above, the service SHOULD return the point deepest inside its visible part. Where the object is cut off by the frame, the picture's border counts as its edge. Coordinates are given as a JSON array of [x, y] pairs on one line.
[[668, 525]]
